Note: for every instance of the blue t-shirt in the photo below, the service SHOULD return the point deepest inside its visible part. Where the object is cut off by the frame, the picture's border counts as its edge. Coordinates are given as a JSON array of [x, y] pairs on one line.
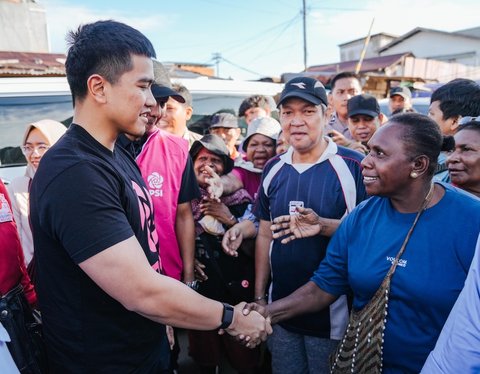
[[318, 187], [428, 279], [458, 347]]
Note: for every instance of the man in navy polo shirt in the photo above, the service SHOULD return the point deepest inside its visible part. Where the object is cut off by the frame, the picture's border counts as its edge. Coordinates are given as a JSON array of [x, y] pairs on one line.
[[314, 173]]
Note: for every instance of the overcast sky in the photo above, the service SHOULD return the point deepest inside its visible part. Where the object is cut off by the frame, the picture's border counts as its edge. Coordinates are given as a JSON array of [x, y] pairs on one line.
[[258, 37]]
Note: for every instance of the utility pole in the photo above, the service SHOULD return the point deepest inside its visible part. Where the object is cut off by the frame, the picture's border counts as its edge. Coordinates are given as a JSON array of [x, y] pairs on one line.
[[217, 57], [304, 35], [364, 49]]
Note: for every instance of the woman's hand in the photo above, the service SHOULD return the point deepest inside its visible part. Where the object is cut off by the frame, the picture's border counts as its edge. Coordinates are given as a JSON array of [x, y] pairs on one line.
[[217, 210], [304, 224], [215, 186], [232, 240], [199, 273]]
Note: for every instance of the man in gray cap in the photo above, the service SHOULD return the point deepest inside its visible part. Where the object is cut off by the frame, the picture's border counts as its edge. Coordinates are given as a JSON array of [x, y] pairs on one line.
[[225, 125], [400, 100]]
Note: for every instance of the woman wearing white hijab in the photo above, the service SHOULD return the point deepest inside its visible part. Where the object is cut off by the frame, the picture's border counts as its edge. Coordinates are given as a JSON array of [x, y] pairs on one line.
[[38, 138]]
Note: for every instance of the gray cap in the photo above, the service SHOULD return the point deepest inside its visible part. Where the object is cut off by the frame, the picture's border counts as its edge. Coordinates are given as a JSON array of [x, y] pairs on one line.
[[401, 91], [226, 120]]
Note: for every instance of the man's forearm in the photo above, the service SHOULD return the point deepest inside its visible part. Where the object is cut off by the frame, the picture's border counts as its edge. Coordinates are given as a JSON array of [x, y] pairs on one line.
[[185, 233], [262, 260], [230, 183]]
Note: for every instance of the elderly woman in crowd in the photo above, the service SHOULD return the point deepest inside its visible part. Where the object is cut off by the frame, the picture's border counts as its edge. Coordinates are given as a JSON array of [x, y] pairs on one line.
[[464, 163], [438, 248], [38, 138], [259, 147], [229, 279]]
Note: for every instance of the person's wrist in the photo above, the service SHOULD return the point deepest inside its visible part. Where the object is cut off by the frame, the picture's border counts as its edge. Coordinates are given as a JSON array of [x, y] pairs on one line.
[[261, 297], [192, 284], [232, 220], [320, 226], [228, 317]]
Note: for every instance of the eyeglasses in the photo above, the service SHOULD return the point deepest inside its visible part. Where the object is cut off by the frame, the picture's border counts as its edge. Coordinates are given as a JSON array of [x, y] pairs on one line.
[[29, 149], [468, 119]]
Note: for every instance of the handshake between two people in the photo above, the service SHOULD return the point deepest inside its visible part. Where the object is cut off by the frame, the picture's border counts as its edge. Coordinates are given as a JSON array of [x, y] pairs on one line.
[[251, 324]]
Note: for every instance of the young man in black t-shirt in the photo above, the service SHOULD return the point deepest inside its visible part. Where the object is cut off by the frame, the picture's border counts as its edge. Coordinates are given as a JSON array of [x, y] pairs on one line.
[[102, 297]]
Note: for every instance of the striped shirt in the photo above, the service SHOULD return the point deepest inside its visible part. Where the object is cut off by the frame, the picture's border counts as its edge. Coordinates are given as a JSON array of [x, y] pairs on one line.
[[331, 187]]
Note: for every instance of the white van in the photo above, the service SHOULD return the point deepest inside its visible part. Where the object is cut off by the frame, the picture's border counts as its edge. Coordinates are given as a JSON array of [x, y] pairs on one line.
[[26, 100]]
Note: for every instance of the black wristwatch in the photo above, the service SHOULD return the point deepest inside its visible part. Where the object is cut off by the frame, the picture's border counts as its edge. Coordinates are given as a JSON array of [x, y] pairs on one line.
[[227, 316]]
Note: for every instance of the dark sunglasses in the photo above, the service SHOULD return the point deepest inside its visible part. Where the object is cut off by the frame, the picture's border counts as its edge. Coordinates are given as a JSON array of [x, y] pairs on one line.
[[468, 120]]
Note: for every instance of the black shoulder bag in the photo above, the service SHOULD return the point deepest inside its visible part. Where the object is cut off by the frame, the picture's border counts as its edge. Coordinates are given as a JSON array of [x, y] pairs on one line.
[[25, 330]]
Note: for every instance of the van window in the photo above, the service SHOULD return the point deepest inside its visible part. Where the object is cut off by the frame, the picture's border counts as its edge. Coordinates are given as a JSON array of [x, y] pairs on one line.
[[17, 112]]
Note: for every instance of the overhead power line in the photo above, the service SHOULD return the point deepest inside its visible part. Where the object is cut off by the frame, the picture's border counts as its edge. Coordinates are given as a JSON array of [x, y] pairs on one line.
[[243, 68]]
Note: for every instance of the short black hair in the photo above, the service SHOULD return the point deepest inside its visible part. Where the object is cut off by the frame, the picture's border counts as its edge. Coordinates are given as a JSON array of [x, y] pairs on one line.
[[255, 101], [459, 97], [342, 75], [421, 136], [104, 48], [182, 90]]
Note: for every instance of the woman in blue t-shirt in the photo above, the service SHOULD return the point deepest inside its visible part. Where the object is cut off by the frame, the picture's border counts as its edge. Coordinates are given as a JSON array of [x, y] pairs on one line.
[[431, 272]]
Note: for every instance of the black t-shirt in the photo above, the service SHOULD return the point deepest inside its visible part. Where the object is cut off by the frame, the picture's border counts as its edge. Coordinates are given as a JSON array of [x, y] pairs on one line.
[[85, 199]]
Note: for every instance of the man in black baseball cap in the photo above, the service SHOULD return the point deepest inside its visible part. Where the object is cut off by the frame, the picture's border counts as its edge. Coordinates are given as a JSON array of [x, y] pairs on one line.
[[400, 100], [305, 88], [161, 91], [363, 119], [317, 174]]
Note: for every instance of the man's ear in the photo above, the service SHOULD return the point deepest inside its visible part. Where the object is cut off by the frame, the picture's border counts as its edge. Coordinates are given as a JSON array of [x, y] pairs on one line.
[[96, 88], [188, 112], [455, 123]]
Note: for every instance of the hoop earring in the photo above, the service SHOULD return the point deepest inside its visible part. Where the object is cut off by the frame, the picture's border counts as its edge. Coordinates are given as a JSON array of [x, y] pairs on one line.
[[414, 174]]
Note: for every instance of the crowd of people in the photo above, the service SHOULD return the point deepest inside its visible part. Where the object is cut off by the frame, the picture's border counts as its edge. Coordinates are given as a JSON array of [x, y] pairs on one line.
[[128, 226]]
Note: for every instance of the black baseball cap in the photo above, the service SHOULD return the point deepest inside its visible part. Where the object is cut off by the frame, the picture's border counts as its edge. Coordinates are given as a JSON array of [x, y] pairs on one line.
[[216, 145], [401, 91], [306, 88], [162, 87], [363, 104]]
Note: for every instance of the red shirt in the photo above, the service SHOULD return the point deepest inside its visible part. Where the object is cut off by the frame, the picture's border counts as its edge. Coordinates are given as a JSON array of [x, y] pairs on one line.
[[12, 261]]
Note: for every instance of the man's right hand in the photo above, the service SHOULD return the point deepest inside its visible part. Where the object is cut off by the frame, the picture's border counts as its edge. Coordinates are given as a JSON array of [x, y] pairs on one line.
[[251, 328]]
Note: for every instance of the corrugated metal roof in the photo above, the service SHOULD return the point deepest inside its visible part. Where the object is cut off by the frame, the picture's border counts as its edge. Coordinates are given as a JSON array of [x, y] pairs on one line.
[[31, 64], [368, 64]]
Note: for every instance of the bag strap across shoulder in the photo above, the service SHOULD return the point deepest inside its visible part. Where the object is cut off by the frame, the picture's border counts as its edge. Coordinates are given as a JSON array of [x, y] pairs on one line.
[[427, 200]]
